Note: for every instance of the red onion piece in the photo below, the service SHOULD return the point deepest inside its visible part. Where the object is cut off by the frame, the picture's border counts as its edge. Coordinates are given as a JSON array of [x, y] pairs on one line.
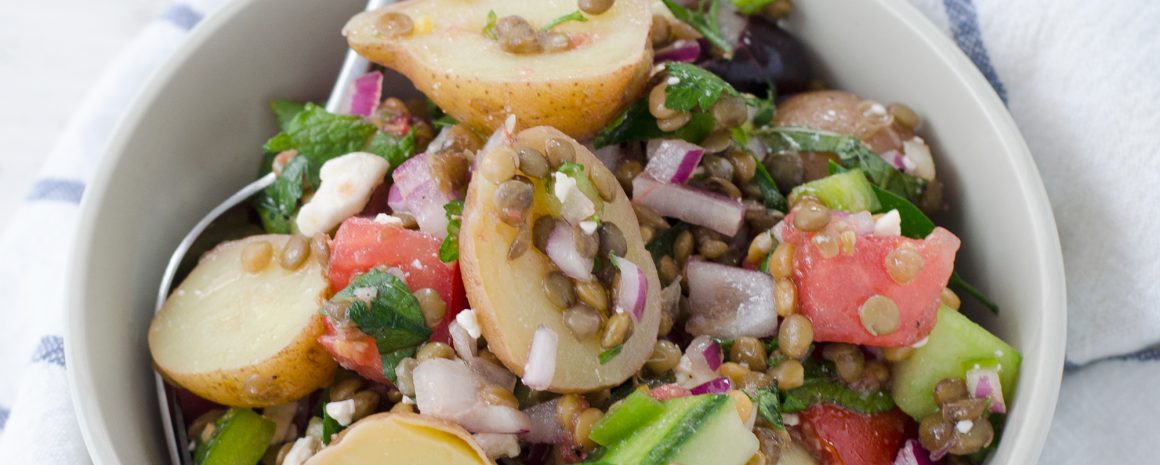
[[668, 391], [683, 51], [730, 302], [466, 347], [700, 362], [368, 90], [545, 428], [672, 160], [541, 365], [895, 159], [445, 388], [983, 382], [418, 193], [632, 293], [717, 386], [561, 249], [912, 453], [713, 355], [690, 205]]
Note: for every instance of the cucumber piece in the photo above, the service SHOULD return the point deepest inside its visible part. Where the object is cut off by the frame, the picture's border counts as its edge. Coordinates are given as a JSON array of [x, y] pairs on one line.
[[695, 430], [627, 416], [847, 191], [240, 437], [955, 345]]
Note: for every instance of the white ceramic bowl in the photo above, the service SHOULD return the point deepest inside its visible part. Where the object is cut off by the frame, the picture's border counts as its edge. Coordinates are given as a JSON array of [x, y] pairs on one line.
[[194, 136]]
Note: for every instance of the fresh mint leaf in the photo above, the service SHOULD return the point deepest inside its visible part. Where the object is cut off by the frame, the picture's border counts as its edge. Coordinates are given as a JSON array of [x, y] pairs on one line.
[[449, 249], [768, 405], [391, 315], [637, 124], [704, 20], [764, 108], [573, 16], [278, 202], [394, 149], [444, 121], [489, 28], [285, 111], [320, 135], [752, 7], [832, 391], [610, 354], [771, 196], [330, 426], [691, 86], [662, 243], [281, 142], [962, 285]]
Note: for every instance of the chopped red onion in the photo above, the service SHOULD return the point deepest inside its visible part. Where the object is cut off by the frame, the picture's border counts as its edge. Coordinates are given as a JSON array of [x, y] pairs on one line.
[[700, 362], [912, 453], [445, 388], [493, 373], [561, 248], [895, 159], [717, 386], [713, 355], [983, 382], [672, 160], [632, 292], [368, 89], [690, 205], [730, 302], [416, 192], [683, 51], [541, 365], [466, 347], [545, 428]]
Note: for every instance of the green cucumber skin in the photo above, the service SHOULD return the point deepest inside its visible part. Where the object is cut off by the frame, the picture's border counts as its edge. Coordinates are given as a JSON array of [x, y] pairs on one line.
[[848, 191], [656, 443], [240, 438], [952, 346], [635, 411]]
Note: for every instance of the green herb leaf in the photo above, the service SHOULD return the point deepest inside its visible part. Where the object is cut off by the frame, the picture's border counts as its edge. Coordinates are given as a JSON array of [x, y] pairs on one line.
[[692, 87], [573, 16], [392, 316], [285, 111], [489, 28], [834, 392], [320, 135], [330, 426], [395, 150], [704, 21], [771, 196], [764, 108], [610, 354], [637, 124], [752, 7], [444, 121], [278, 202], [662, 243], [768, 406], [449, 249], [959, 283]]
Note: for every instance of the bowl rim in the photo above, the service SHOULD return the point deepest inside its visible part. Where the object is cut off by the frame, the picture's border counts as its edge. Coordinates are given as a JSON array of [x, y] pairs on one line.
[[1050, 342]]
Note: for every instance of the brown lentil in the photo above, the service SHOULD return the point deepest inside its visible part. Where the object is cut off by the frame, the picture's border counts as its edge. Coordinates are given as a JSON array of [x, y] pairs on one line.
[[559, 289], [450, 168], [648, 217], [516, 35], [567, 408], [521, 243], [949, 390], [493, 394], [712, 248], [593, 294], [559, 151], [365, 403], [722, 186], [605, 183], [826, 244], [779, 9], [402, 407], [584, 423], [393, 396], [391, 24], [717, 142], [595, 7], [979, 436], [950, 299], [965, 409], [879, 315], [903, 115], [514, 198], [935, 433], [582, 320], [757, 459], [432, 306], [541, 230], [665, 325], [730, 111], [320, 249], [665, 356], [345, 388], [294, 252], [617, 330], [532, 162], [460, 138], [847, 358], [656, 102], [744, 166], [681, 30], [612, 240], [434, 350], [755, 380], [781, 262], [788, 374], [717, 166], [408, 220], [770, 443], [875, 375], [903, 263], [683, 246], [896, 354], [795, 336], [556, 42], [749, 351], [646, 233], [668, 270], [256, 256], [626, 171], [659, 31], [734, 371], [675, 122], [785, 300], [811, 216]]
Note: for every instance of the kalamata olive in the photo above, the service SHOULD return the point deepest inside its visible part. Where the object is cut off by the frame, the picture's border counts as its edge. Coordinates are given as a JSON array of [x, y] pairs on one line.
[[765, 53]]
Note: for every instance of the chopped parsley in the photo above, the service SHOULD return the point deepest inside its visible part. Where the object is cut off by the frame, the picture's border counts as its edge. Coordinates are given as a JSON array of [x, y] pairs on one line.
[[752, 7], [576, 16], [704, 20], [768, 405], [449, 249], [610, 354], [489, 28], [637, 124], [832, 391], [690, 87]]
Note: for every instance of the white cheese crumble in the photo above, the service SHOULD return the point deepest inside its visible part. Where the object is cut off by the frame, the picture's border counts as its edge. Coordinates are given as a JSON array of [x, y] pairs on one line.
[[964, 426], [383, 218], [408, 400], [563, 186], [341, 411], [301, 451], [314, 428], [468, 321], [576, 207], [347, 184], [889, 224], [790, 419], [589, 227]]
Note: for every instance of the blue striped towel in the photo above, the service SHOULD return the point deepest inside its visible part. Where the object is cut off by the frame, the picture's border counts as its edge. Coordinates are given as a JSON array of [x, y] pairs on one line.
[[1081, 78]]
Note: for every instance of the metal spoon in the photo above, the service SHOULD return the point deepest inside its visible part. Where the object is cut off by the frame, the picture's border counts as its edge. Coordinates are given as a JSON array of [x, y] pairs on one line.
[[172, 419]]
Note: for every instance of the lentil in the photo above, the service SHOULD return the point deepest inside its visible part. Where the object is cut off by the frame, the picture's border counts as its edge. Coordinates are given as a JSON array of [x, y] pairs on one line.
[[676, 122], [556, 42], [935, 433], [781, 262], [294, 252], [516, 35], [514, 198], [605, 183], [646, 234], [903, 115], [567, 408], [541, 230], [559, 151], [582, 320], [730, 111], [903, 263], [365, 403], [256, 256], [345, 389], [656, 102], [393, 396], [879, 315], [617, 330], [875, 375], [811, 216], [493, 394], [404, 374], [755, 380], [408, 220], [432, 306], [826, 244], [665, 356], [320, 248], [896, 354], [433, 350], [979, 436], [750, 352], [626, 171], [584, 423], [965, 409], [532, 162], [712, 248], [499, 165], [779, 9], [770, 443], [788, 374], [734, 371], [847, 358], [402, 407], [612, 240], [450, 168], [717, 166], [949, 390], [682, 31], [795, 336], [744, 166], [649, 217], [683, 246], [560, 289], [785, 297], [393, 24], [593, 294], [717, 142], [595, 7], [659, 31], [521, 243], [665, 325], [723, 186], [950, 299], [667, 271]]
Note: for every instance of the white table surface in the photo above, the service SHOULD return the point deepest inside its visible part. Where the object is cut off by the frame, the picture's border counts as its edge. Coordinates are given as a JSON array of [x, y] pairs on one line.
[[49, 53]]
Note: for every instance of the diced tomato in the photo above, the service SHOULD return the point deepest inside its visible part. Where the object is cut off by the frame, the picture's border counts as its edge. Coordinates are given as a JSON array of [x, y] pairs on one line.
[[354, 350], [831, 290], [668, 391], [838, 436], [361, 244]]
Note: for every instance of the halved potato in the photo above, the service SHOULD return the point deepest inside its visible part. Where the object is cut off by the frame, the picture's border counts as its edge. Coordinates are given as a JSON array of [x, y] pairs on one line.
[[509, 298], [469, 76], [402, 439], [244, 339]]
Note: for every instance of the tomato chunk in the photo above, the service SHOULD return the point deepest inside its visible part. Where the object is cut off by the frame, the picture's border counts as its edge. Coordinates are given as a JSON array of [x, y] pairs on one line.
[[831, 290], [354, 350], [838, 436], [361, 244]]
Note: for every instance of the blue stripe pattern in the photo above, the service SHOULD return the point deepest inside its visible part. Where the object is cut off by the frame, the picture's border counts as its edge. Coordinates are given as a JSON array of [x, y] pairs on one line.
[[50, 350], [56, 190], [181, 16], [964, 22], [4, 417]]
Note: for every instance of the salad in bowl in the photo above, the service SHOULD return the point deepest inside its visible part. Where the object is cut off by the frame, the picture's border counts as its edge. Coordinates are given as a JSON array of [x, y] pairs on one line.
[[613, 232]]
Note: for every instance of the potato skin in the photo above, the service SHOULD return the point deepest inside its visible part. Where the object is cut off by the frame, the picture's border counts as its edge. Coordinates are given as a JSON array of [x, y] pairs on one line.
[[336, 446], [299, 369], [838, 111]]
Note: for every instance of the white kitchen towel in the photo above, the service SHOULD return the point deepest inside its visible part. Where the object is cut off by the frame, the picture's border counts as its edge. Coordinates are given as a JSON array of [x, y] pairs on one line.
[[1081, 78]]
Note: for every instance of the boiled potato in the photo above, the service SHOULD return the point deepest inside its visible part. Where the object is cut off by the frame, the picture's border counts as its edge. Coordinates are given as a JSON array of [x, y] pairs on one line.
[[472, 78], [509, 297], [243, 338], [843, 112], [402, 439]]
